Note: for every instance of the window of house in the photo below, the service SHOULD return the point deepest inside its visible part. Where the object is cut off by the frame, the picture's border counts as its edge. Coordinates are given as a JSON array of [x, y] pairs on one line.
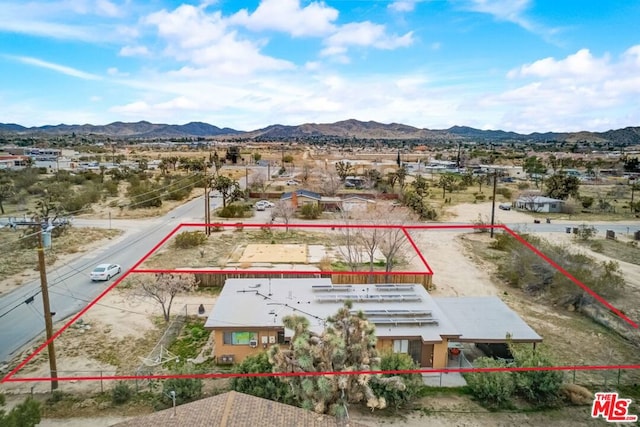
[[400, 346], [239, 338], [553, 205]]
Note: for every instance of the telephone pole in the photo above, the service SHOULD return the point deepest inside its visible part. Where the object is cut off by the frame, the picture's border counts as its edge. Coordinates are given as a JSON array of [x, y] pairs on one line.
[[47, 309], [493, 200], [207, 204]]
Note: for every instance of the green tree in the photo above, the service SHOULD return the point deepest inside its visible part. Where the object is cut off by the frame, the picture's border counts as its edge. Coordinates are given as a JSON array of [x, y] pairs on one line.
[[539, 387], [7, 190], [561, 186], [343, 169], [267, 387], [228, 188], [446, 182], [413, 382], [495, 389], [257, 157], [186, 389], [347, 344], [26, 414], [421, 185]]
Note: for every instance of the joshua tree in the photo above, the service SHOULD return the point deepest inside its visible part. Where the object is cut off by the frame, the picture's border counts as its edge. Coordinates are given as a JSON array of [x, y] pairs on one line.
[[346, 345]]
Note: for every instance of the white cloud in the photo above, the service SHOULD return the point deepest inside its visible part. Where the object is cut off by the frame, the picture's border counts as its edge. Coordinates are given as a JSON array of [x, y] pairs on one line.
[[134, 51], [403, 5], [315, 19], [69, 71], [581, 64], [60, 19], [570, 93], [208, 45], [364, 34]]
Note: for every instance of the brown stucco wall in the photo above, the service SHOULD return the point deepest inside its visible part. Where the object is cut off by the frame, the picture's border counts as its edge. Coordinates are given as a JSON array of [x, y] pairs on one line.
[[440, 354], [241, 351]]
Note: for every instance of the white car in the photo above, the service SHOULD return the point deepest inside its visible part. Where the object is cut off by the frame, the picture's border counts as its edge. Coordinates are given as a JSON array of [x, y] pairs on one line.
[[105, 272], [292, 182], [265, 203]]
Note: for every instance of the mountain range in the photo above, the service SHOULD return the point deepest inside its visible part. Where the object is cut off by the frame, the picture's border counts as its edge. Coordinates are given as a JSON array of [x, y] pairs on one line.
[[347, 129]]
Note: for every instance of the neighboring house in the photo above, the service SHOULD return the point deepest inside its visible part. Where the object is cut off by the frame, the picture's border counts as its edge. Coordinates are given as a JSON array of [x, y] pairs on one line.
[[247, 317], [539, 204], [14, 162], [356, 204], [302, 197], [233, 409]]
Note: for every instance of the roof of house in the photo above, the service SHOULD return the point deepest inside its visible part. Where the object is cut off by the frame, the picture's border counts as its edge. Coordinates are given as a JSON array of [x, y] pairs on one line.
[[356, 199], [405, 310], [538, 199], [397, 310], [301, 193], [233, 409], [486, 319]]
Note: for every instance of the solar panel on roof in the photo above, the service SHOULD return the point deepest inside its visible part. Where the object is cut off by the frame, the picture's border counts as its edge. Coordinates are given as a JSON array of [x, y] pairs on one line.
[[394, 287]]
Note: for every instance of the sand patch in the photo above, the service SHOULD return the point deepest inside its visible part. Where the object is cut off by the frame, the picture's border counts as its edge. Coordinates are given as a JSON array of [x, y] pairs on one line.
[[284, 253]]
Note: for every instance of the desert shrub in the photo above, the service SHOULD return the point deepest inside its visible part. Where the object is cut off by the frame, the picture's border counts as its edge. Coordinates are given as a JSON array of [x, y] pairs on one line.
[[504, 192], [542, 388], [413, 382], [586, 201], [494, 389], [523, 186], [145, 195], [121, 393], [310, 211], [190, 239], [186, 389], [597, 247], [586, 232], [480, 197], [232, 211], [268, 387], [25, 414], [111, 187]]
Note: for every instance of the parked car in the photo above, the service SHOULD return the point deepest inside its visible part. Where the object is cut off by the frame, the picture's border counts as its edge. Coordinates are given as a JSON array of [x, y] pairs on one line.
[[504, 206], [265, 203], [292, 182], [260, 207], [105, 272]]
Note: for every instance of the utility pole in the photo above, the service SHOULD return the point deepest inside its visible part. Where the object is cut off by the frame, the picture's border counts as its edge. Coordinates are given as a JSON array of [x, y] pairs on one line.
[[493, 199], [207, 204], [47, 309]]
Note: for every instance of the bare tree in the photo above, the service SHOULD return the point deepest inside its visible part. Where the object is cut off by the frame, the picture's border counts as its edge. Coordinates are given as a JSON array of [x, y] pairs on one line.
[[285, 210], [163, 287], [393, 243], [330, 184], [350, 248], [258, 182]]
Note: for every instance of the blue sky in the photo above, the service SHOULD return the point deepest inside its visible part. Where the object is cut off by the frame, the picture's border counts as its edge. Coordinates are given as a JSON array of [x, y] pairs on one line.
[[520, 65]]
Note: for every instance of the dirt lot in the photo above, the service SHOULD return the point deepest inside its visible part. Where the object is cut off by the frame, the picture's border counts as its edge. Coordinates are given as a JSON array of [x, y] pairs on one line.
[[20, 267]]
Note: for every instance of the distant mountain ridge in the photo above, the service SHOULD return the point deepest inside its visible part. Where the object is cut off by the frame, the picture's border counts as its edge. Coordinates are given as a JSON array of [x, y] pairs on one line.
[[142, 129], [346, 129]]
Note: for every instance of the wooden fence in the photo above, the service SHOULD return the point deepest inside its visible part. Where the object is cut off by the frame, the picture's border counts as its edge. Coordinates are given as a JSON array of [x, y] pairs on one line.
[[218, 279]]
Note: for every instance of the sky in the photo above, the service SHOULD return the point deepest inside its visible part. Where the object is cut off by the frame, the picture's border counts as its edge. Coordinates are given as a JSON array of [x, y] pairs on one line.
[[517, 65]]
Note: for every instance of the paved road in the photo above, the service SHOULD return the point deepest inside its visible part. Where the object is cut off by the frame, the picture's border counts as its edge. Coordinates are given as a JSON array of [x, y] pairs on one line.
[[70, 287]]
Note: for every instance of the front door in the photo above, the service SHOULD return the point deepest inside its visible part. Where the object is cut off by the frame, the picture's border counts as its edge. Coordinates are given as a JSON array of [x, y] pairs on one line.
[[415, 351]]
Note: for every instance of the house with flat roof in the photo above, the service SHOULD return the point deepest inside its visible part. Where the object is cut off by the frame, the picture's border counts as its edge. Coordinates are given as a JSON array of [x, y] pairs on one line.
[[247, 317], [534, 203]]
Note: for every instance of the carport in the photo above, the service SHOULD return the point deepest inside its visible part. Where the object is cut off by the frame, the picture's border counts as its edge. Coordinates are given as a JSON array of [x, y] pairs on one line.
[[486, 320]]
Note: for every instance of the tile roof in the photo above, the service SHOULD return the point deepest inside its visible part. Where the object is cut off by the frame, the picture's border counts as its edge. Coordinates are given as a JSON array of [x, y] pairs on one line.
[[233, 409]]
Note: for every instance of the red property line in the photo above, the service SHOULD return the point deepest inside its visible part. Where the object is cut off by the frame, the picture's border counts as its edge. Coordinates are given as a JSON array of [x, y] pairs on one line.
[[569, 276], [327, 373], [272, 272], [9, 377], [415, 248], [91, 304]]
